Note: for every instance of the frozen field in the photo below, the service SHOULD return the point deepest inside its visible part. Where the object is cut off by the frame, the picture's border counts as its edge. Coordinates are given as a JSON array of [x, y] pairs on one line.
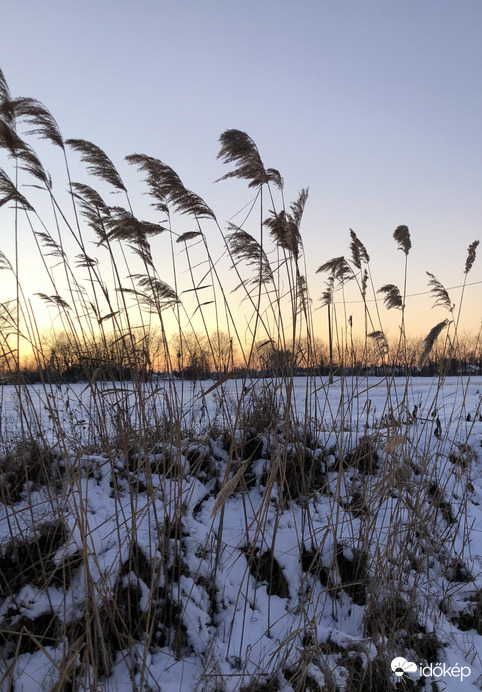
[[358, 400]]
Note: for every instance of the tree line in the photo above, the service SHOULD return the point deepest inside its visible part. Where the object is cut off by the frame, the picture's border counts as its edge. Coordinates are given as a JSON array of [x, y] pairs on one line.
[[195, 355]]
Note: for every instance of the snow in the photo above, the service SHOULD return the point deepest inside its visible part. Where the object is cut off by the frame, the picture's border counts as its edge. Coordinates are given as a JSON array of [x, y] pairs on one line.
[[253, 632]]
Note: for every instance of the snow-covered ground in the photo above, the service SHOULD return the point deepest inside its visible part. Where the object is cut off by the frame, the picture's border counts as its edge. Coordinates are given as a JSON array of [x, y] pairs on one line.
[[359, 400], [271, 582]]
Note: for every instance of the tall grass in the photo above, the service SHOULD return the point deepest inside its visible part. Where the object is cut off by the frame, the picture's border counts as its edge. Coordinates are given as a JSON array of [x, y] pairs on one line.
[[118, 509]]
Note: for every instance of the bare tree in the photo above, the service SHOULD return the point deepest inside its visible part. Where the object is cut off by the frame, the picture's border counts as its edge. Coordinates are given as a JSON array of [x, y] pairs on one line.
[[192, 353], [224, 351]]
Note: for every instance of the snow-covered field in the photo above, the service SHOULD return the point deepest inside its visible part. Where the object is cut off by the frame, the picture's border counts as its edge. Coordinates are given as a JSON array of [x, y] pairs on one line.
[[231, 565], [356, 399]]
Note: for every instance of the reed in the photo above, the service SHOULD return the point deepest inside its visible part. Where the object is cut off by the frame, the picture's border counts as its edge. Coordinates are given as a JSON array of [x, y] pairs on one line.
[[228, 525]]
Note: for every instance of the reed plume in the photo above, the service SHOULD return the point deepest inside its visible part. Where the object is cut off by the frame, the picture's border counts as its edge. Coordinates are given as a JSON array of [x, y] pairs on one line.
[[381, 341], [187, 236], [31, 164], [430, 340], [9, 139], [359, 253], [339, 267], [42, 121], [238, 147], [7, 112], [24, 153], [440, 293], [4, 90], [392, 298], [54, 300], [166, 187], [5, 262], [298, 207], [471, 252], [364, 284], [402, 236], [98, 163], [303, 299], [123, 225], [93, 209], [88, 197], [244, 248], [86, 262], [284, 227], [51, 244], [327, 295], [284, 232], [152, 293], [9, 193]]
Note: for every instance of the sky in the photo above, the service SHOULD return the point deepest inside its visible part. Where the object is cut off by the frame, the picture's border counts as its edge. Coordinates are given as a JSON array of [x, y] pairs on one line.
[[375, 106]]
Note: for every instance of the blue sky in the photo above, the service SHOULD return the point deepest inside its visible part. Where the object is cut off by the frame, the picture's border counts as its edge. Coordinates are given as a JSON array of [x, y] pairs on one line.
[[376, 106]]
